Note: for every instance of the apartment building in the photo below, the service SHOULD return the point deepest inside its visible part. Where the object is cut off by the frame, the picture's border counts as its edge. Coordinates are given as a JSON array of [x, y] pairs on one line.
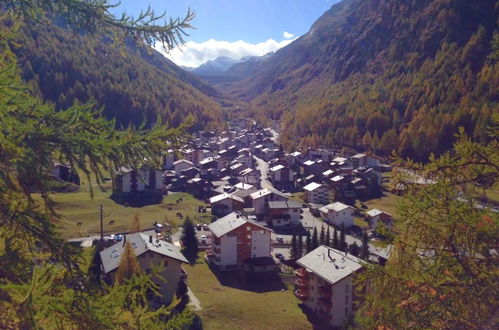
[[324, 284], [316, 193]]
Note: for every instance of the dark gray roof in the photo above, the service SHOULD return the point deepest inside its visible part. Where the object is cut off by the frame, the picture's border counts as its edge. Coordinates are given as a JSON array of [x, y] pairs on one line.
[[285, 205], [111, 256]]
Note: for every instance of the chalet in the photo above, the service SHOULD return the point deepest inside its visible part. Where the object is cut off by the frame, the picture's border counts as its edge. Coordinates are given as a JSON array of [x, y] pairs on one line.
[[359, 160], [281, 175], [338, 213], [260, 200], [311, 167], [199, 188], [284, 213], [63, 172], [249, 176], [375, 216], [316, 193], [132, 181], [150, 251], [207, 164], [225, 203], [236, 241], [325, 284], [181, 164]]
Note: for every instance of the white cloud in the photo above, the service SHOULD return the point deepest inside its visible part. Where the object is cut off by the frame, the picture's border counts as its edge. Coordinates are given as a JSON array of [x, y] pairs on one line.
[[193, 54], [288, 35]]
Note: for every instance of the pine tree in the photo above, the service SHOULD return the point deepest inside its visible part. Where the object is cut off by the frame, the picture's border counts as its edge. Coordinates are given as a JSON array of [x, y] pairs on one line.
[[129, 265], [328, 237], [315, 240], [300, 246], [293, 252], [342, 243], [189, 240], [322, 237], [336, 243], [308, 242], [364, 252]]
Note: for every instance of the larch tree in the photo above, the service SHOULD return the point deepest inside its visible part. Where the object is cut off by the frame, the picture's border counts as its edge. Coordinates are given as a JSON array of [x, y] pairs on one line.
[[129, 265], [40, 281], [443, 268]]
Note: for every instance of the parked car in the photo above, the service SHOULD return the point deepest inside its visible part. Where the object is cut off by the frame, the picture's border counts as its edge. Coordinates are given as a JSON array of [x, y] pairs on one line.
[[198, 226], [205, 226], [279, 239], [118, 238], [279, 256]]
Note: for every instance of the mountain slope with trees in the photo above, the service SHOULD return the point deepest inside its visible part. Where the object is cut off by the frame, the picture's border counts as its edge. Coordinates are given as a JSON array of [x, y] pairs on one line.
[[132, 83], [384, 75]]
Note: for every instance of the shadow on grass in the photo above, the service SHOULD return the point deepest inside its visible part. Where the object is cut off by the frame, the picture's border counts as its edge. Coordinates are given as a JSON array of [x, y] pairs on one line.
[[138, 200], [374, 195], [317, 322], [248, 281]]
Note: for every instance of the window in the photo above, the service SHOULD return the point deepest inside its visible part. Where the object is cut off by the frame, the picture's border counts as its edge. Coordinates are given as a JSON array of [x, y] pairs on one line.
[[248, 236], [248, 228]]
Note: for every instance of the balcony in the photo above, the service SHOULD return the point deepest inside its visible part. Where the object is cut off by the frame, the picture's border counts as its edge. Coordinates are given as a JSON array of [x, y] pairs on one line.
[[301, 294], [325, 290], [326, 315], [326, 302], [301, 283], [301, 273]]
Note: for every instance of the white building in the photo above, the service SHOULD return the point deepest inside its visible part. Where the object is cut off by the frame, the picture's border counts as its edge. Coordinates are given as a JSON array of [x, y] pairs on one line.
[[316, 193], [338, 213], [236, 240], [284, 213], [225, 203], [260, 200], [375, 217], [131, 181], [325, 284]]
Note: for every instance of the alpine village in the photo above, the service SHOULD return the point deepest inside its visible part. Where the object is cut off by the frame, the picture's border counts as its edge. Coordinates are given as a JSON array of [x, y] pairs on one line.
[[347, 180]]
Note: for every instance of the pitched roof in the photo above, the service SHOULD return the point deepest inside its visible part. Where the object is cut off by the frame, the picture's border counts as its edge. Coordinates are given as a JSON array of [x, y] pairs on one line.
[[376, 212], [230, 222], [312, 186], [223, 196], [182, 161], [265, 192], [276, 168], [340, 160], [244, 186], [359, 156], [309, 163], [337, 207], [260, 193], [111, 256], [284, 205], [330, 264]]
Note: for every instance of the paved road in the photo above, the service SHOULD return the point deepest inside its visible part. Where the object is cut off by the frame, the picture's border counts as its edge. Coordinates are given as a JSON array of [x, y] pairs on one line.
[[194, 301], [264, 172]]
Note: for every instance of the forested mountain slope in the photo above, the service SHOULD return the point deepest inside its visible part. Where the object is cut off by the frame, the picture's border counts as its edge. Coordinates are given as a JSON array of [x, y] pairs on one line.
[[131, 83], [384, 74]]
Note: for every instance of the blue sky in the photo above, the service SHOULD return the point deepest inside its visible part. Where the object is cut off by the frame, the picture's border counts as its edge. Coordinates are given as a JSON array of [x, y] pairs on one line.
[[235, 28]]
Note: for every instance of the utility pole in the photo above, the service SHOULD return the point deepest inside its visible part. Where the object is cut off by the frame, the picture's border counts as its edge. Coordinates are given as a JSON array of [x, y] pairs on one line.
[[101, 224]]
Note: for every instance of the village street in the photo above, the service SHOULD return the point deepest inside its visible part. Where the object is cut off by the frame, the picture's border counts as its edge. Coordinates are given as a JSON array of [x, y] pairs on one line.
[[263, 166]]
